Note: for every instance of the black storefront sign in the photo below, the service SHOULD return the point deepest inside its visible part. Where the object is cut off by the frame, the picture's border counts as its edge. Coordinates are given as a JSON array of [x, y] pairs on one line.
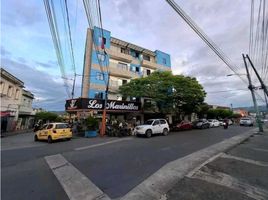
[[98, 104]]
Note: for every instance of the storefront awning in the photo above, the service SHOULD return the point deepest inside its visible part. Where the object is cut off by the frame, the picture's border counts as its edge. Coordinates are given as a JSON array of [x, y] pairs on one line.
[[4, 113], [98, 104]]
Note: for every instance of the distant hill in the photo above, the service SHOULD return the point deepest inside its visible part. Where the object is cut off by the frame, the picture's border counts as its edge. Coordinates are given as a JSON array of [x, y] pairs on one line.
[[262, 108]]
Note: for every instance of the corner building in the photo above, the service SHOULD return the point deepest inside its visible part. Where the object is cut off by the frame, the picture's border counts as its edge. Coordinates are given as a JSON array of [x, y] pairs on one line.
[[124, 61]]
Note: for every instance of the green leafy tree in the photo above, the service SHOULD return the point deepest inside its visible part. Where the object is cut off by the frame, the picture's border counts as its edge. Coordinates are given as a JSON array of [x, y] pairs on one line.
[[171, 93], [202, 110], [219, 113], [46, 116]]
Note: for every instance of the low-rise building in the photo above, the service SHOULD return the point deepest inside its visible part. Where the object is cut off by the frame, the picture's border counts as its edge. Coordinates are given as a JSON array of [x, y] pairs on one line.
[[219, 107], [12, 94], [26, 114]]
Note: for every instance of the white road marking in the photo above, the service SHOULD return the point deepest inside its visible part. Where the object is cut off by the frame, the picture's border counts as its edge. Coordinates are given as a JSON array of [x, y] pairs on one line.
[[259, 149], [254, 162], [76, 185], [101, 144], [226, 180], [21, 146]]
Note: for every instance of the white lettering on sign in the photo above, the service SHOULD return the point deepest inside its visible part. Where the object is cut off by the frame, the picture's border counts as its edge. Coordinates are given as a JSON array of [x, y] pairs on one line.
[[93, 104], [113, 106]]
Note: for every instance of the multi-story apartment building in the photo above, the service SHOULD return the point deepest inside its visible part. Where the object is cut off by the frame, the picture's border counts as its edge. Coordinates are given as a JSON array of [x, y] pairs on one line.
[[123, 60]]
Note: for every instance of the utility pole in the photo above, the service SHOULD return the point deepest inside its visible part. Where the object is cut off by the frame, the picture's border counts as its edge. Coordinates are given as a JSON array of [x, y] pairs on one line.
[[266, 102], [251, 88], [103, 122], [257, 74]]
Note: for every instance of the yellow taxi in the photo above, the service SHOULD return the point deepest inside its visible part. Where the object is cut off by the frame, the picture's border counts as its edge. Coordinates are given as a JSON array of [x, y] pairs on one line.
[[53, 131]]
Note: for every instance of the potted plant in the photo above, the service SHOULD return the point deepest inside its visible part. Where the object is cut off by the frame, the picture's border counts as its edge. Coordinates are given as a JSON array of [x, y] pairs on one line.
[[91, 127]]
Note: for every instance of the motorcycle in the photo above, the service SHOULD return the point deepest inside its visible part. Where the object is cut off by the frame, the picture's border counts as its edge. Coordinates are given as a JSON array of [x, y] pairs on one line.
[[115, 131], [225, 125]]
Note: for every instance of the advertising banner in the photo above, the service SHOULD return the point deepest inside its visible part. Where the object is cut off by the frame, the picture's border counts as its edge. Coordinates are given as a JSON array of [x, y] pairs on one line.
[[98, 104]]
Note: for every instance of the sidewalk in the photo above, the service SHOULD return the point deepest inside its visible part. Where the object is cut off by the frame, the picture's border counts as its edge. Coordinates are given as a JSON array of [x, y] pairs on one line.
[[17, 132], [238, 174]]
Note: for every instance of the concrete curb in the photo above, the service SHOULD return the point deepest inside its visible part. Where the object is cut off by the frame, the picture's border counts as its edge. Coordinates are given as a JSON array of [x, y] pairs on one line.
[[18, 132], [166, 177]]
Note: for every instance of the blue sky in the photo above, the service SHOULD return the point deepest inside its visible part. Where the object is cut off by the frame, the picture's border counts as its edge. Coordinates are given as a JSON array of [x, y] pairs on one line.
[[27, 50]]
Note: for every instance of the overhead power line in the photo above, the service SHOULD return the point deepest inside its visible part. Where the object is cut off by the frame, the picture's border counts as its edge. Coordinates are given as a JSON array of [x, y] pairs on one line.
[[70, 38], [52, 21], [258, 44], [220, 91], [206, 39], [89, 13]]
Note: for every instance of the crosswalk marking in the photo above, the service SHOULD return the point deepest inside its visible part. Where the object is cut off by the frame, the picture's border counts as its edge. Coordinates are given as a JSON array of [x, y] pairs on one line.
[[255, 162], [76, 185]]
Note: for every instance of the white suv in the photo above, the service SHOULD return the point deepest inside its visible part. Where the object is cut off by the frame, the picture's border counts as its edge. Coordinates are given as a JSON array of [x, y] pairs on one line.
[[152, 126], [246, 122]]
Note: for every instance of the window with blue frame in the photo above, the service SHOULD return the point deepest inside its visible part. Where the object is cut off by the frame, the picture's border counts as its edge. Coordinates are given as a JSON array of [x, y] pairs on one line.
[[125, 51], [102, 39], [99, 76], [122, 66], [146, 57], [101, 57], [164, 61], [133, 68], [98, 95]]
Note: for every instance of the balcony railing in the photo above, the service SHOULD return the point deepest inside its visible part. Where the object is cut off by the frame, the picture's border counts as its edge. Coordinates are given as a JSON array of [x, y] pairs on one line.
[[120, 71], [119, 56], [149, 64], [163, 68], [113, 87]]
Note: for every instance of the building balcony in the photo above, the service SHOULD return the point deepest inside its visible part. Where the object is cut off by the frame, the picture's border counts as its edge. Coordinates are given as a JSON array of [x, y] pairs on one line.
[[149, 64], [163, 68], [113, 87], [117, 55], [118, 71]]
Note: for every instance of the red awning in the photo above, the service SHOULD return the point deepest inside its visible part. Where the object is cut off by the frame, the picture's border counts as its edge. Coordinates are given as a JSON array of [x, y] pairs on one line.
[[4, 113]]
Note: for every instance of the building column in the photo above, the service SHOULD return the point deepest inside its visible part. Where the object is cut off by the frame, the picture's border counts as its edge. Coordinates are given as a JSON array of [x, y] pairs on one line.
[[87, 64]]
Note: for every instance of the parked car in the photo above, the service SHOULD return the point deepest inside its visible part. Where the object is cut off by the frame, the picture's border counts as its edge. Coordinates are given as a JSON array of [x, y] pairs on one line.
[[152, 126], [183, 125], [201, 123], [230, 122], [214, 123], [246, 122], [53, 131]]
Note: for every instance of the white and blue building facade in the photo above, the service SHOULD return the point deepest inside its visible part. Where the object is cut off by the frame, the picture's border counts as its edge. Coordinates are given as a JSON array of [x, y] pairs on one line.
[[123, 60]]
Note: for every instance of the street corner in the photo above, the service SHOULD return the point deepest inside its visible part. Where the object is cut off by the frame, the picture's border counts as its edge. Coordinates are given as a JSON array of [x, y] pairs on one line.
[[197, 189], [240, 173]]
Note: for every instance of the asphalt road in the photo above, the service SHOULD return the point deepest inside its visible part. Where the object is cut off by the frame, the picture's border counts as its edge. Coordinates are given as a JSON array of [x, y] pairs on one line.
[[114, 167]]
